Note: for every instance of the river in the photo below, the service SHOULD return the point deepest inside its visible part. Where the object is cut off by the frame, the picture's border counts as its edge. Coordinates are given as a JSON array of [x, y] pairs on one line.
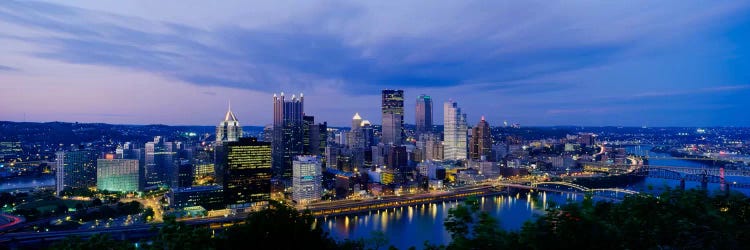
[[411, 226], [25, 183]]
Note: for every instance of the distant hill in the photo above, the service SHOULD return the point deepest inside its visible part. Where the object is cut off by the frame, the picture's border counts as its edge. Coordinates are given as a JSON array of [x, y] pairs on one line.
[[71, 133]]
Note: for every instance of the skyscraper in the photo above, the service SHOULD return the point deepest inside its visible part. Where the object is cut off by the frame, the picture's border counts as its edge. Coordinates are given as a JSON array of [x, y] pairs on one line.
[[120, 175], [229, 129], [75, 169], [308, 180], [481, 141], [246, 170], [160, 162], [393, 116], [455, 132], [288, 131], [423, 114]]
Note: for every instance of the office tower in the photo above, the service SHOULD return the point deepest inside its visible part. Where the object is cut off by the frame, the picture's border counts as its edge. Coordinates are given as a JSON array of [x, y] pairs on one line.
[[397, 157], [356, 136], [75, 170], [209, 197], [119, 175], [246, 170], [423, 114], [481, 141], [314, 139], [288, 133], [185, 175], [268, 133], [393, 117], [455, 132], [160, 162], [308, 180], [229, 129]]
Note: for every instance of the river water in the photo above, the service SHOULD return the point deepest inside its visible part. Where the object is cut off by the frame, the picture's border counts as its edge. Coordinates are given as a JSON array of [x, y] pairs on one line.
[[411, 226], [26, 183]]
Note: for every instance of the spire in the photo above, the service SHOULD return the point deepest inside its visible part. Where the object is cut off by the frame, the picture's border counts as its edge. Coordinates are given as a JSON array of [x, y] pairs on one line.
[[230, 116], [357, 117]]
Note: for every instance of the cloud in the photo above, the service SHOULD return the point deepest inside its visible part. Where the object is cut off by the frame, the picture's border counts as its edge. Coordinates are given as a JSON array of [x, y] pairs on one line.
[[337, 44], [727, 88], [7, 68]]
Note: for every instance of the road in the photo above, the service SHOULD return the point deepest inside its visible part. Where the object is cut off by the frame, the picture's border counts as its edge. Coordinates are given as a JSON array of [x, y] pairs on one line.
[[12, 221]]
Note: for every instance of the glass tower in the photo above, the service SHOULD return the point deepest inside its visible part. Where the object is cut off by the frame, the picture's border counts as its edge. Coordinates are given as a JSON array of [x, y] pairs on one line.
[[393, 116], [455, 131]]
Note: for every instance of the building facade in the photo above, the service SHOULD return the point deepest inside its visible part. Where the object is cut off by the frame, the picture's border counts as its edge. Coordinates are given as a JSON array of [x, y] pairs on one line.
[[246, 171], [455, 131], [393, 117], [308, 180], [481, 142], [119, 175], [160, 166], [75, 169], [288, 133], [423, 114], [229, 129]]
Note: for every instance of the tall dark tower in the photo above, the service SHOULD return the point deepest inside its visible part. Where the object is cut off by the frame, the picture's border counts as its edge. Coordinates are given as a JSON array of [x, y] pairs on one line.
[[423, 113], [246, 171], [393, 116], [481, 141], [288, 134]]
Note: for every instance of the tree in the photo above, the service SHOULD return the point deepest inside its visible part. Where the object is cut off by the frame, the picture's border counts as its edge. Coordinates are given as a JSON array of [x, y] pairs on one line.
[[148, 214], [97, 241], [282, 227], [377, 240], [175, 235]]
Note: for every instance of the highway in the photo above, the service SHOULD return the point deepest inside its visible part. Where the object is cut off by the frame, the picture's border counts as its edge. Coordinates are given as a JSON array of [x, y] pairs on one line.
[[12, 221]]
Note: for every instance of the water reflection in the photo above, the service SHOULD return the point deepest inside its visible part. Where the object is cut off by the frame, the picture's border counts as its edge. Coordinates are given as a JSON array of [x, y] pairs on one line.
[[411, 226]]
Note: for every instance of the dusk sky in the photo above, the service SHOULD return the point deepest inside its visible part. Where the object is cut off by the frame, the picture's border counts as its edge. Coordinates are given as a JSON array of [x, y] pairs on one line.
[[537, 63]]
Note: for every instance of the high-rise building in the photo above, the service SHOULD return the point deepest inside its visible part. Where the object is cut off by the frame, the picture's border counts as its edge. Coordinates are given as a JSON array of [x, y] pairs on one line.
[[455, 131], [393, 117], [481, 141], [308, 180], [229, 129], [160, 166], [119, 175], [314, 138], [423, 114], [288, 130], [246, 171], [185, 175], [75, 170]]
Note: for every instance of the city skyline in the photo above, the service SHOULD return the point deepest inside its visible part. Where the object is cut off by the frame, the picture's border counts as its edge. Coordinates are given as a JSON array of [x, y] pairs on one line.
[[591, 64]]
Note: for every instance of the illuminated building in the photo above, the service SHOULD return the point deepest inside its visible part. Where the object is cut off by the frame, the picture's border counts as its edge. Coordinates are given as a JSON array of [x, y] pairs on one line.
[[393, 117], [423, 114], [229, 129], [481, 142], [455, 132], [307, 180], [288, 133], [75, 169], [246, 169], [160, 167], [120, 175], [209, 197]]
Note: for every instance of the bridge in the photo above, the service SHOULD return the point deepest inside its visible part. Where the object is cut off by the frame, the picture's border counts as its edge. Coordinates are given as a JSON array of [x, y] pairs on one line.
[[573, 186], [584, 189]]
